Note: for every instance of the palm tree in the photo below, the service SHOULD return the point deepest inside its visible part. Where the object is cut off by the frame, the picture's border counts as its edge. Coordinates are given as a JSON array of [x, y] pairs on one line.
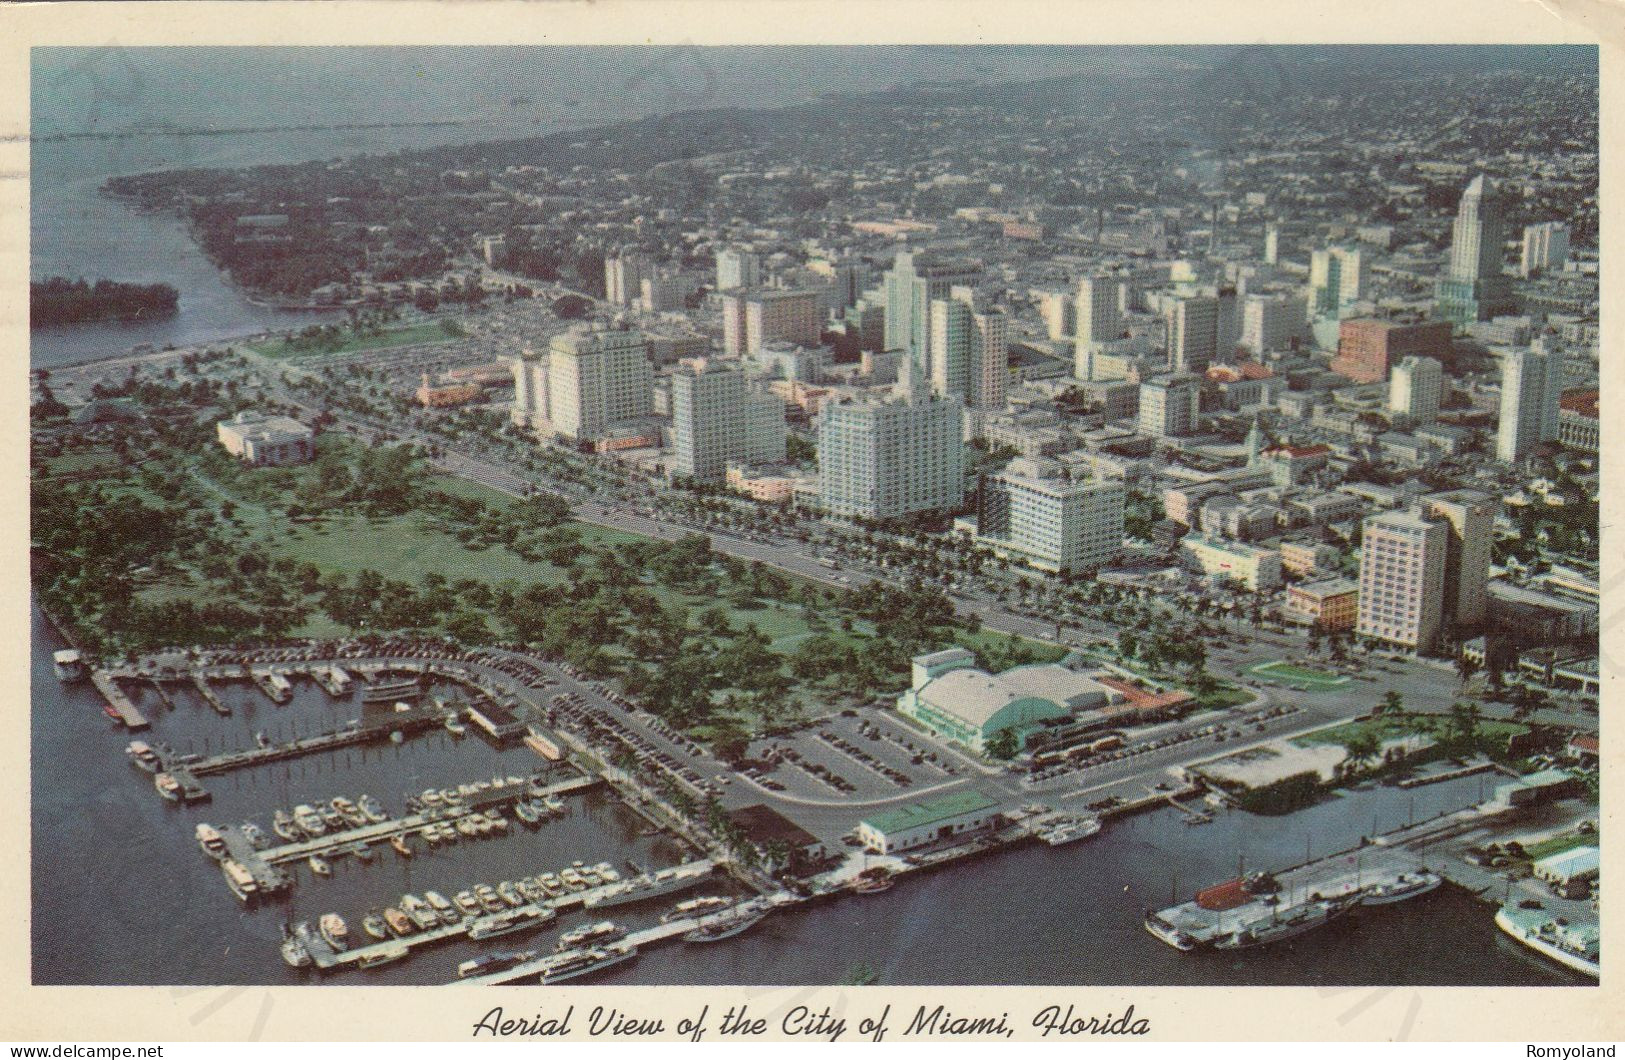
[[1362, 747]]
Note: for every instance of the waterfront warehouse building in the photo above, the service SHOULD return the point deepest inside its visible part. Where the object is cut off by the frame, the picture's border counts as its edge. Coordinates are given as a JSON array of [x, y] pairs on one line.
[[959, 702], [266, 441], [920, 823]]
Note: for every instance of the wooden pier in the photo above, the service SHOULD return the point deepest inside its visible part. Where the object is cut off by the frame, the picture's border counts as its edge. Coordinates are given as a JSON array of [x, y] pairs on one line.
[[327, 959], [119, 704], [267, 877], [209, 695]]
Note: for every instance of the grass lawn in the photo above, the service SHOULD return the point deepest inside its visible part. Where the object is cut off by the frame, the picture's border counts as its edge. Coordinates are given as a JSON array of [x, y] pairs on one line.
[[1558, 844], [85, 463], [1284, 671], [1390, 729], [407, 336]]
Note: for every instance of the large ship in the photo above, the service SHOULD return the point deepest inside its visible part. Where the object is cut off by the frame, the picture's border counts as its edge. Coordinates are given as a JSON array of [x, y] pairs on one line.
[[1282, 925], [649, 885], [1405, 886], [1573, 946]]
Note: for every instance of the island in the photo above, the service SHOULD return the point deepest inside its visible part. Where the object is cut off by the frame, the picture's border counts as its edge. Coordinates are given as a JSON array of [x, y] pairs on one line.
[[59, 300]]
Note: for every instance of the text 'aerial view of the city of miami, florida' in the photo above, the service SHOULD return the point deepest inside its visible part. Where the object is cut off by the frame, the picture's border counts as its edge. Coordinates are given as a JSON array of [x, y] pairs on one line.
[[815, 516]]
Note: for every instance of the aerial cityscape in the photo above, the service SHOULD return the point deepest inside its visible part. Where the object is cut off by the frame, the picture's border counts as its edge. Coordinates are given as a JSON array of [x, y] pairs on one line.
[[903, 516]]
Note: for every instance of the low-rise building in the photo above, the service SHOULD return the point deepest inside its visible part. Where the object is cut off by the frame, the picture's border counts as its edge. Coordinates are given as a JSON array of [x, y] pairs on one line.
[[962, 703], [1258, 569], [920, 824], [1331, 604], [262, 440]]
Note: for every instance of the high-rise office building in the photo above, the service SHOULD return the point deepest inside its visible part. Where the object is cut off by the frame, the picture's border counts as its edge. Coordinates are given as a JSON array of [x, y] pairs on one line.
[[1531, 387], [910, 286], [624, 274], [1193, 334], [1168, 405], [1415, 389], [1033, 511], [1367, 349], [1059, 313], [886, 459], [1338, 277], [716, 420], [1270, 323], [752, 318], [738, 268], [1470, 516], [1227, 326], [1403, 556], [1474, 287], [1545, 247], [596, 379], [969, 350], [529, 389], [1097, 320]]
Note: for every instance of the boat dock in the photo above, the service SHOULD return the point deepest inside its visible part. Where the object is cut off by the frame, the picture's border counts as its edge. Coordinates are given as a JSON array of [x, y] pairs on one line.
[[327, 959], [334, 681], [383, 831], [268, 878], [119, 705], [209, 695], [273, 684]]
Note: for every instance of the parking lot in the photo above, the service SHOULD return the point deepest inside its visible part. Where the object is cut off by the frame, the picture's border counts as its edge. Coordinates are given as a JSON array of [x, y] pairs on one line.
[[854, 756]]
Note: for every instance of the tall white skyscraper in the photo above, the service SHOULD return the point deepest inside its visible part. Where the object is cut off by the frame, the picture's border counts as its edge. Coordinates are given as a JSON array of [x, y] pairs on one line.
[[1474, 288], [1531, 385], [1415, 389], [716, 420], [596, 379], [1338, 277], [886, 459], [738, 268], [910, 286], [1193, 334], [1059, 313], [1470, 516], [1545, 247], [529, 389], [623, 277], [969, 350], [1402, 578]]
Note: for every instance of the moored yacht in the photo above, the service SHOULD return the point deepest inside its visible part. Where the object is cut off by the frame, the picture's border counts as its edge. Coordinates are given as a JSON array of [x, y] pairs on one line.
[[1406, 885], [210, 839]]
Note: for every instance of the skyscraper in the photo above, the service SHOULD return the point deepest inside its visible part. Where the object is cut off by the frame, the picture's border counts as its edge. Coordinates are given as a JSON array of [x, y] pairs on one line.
[[1193, 334], [1402, 578], [886, 459], [1270, 323], [1474, 287], [624, 274], [781, 316], [738, 268], [968, 351], [1545, 247], [1531, 386], [716, 420], [1415, 389], [596, 379], [1099, 320], [1470, 516], [529, 389], [910, 286], [1337, 279], [1367, 348]]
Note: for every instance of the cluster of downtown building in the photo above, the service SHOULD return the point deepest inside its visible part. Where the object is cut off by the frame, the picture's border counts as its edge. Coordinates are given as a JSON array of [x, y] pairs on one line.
[[1123, 355]]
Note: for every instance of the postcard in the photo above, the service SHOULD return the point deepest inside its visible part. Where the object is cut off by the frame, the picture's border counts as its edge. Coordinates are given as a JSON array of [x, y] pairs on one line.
[[808, 522]]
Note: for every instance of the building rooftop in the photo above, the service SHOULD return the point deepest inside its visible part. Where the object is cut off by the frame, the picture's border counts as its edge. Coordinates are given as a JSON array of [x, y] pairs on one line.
[[924, 814]]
